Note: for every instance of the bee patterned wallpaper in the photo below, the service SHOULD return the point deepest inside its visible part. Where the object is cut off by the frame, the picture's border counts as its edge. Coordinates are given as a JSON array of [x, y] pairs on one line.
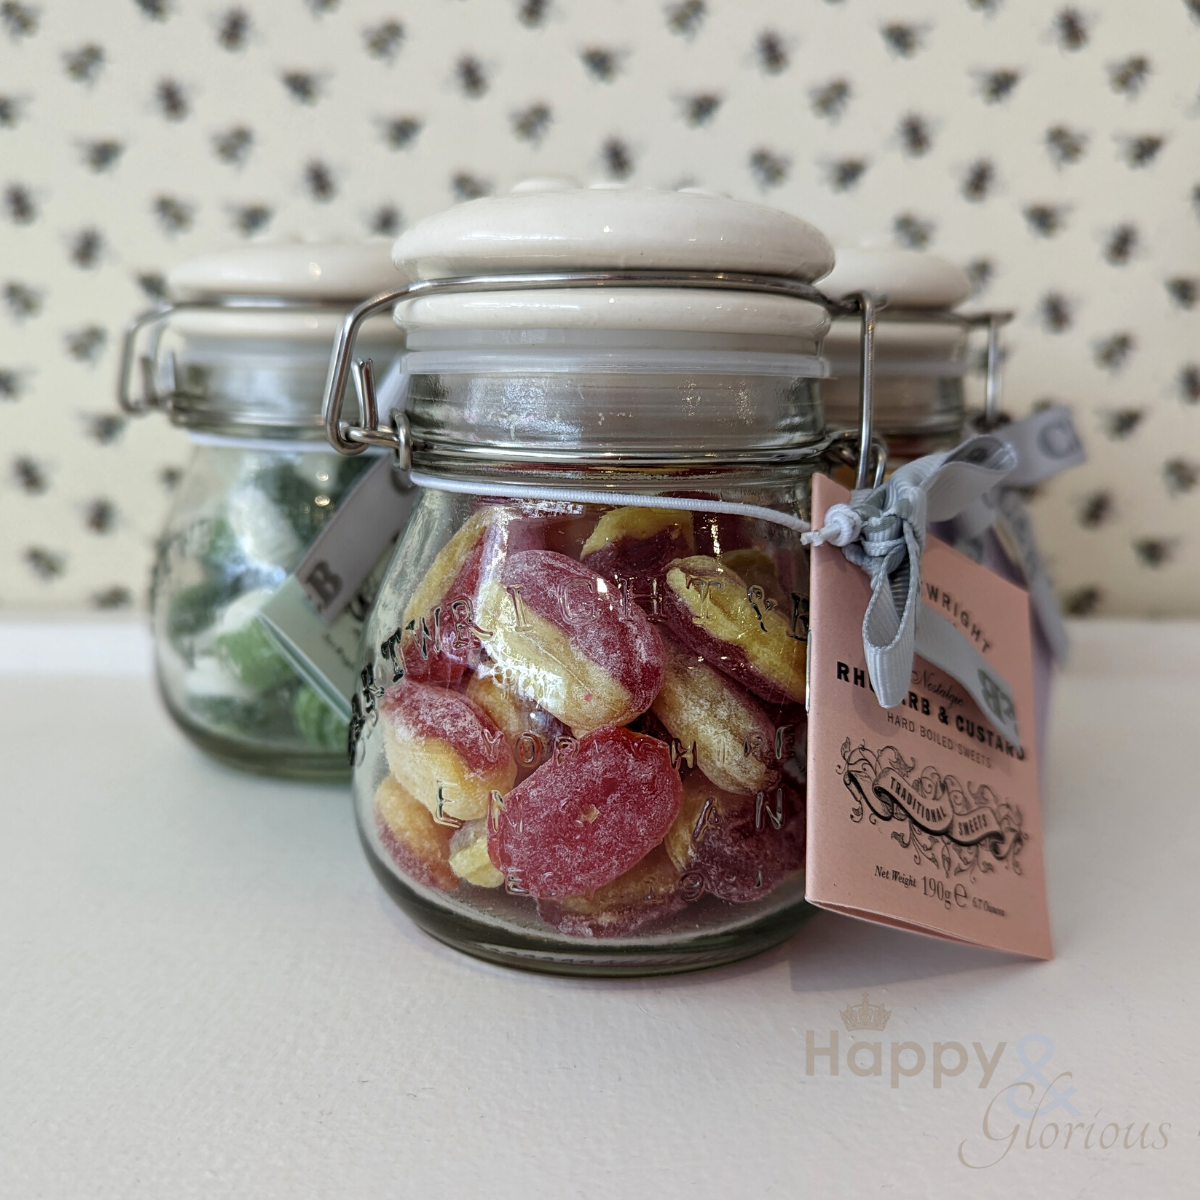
[[1053, 149]]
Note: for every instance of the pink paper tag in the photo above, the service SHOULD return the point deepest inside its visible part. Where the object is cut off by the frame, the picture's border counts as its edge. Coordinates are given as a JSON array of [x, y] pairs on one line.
[[922, 816]]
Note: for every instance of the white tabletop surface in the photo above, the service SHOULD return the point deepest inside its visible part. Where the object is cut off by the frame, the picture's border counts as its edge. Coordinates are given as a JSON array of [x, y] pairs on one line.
[[204, 992]]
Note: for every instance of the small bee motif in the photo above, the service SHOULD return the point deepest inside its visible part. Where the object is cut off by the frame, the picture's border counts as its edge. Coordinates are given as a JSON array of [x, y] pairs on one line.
[[1121, 244], [846, 172], [249, 219], [685, 17], [1120, 423], [1055, 312], [916, 135], [830, 99], [530, 124], [617, 158], [978, 181], [400, 132], [902, 39], [1180, 476], [153, 284], [1155, 552], [100, 516], [1065, 145], [172, 99], [87, 248], [170, 477], [30, 475], [101, 155], [601, 63], [104, 428], [980, 272], [1071, 29], [12, 384], [84, 65], [385, 221], [303, 86], [700, 108], [466, 186], [912, 231], [117, 596], [1046, 220], [472, 78], [1129, 76], [20, 205], [10, 111], [233, 31], [44, 563], [319, 181], [20, 20], [156, 10], [1183, 292], [1112, 353], [233, 145], [174, 215], [531, 13], [768, 168], [1096, 510], [997, 86], [771, 52], [1083, 601], [22, 300], [1188, 382], [87, 344], [384, 40], [1141, 150]]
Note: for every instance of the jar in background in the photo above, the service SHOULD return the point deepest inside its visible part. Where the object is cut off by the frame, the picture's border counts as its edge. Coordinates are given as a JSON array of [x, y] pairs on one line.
[[239, 358], [920, 350], [579, 744]]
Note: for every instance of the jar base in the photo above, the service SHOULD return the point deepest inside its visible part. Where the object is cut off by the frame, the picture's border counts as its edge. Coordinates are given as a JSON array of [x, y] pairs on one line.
[[299, 765], [603, 958]]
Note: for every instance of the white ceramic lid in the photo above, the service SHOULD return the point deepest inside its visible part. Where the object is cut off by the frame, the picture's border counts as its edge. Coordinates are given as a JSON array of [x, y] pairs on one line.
[[550, 225], [295, 268], [908, 278]]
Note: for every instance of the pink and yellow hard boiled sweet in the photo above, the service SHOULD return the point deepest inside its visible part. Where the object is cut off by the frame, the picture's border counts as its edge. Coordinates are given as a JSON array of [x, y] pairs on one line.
[[412, 839], [559, 635], [715, 614], [741, 847], [636, 544], [586, 816], [645, 894], [444, 749]]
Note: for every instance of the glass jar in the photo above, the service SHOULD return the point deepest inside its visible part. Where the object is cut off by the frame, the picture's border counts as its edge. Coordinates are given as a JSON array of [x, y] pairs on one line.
[[920, 350], [579, 742], [239, 358]]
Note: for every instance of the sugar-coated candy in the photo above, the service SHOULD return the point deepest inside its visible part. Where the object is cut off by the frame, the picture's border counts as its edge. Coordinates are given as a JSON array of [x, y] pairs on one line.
[[646, 893], [757, 569], [413, 840], [469, 855], [734, 741], [713, 612], [531, 731], [632, 546], [558, 635], [741, 847], [444, 749], [436, 642], [586, 816]]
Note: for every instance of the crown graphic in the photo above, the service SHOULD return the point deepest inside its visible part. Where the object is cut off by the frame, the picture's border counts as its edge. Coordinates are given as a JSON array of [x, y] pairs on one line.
[[865, 1015]]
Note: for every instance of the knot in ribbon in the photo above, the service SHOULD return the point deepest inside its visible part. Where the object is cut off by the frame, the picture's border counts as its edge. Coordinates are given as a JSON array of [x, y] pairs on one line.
[[882, 530]]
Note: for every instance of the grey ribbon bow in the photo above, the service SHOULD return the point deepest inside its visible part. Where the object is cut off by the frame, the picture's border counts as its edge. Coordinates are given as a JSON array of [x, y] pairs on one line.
[[882, 530], [1045, 444]]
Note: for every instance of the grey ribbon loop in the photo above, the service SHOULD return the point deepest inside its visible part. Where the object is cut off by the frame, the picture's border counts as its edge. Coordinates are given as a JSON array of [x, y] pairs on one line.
[[1045, 443], [882, 530]]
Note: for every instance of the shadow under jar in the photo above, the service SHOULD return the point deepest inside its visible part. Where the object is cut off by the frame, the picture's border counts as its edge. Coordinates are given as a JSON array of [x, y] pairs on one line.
[[579, 744], [239, 359]]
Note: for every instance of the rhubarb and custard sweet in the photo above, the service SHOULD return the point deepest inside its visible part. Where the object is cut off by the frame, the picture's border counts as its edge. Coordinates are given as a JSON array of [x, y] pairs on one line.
[[632, 546], [444, 750], [413, 840]]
